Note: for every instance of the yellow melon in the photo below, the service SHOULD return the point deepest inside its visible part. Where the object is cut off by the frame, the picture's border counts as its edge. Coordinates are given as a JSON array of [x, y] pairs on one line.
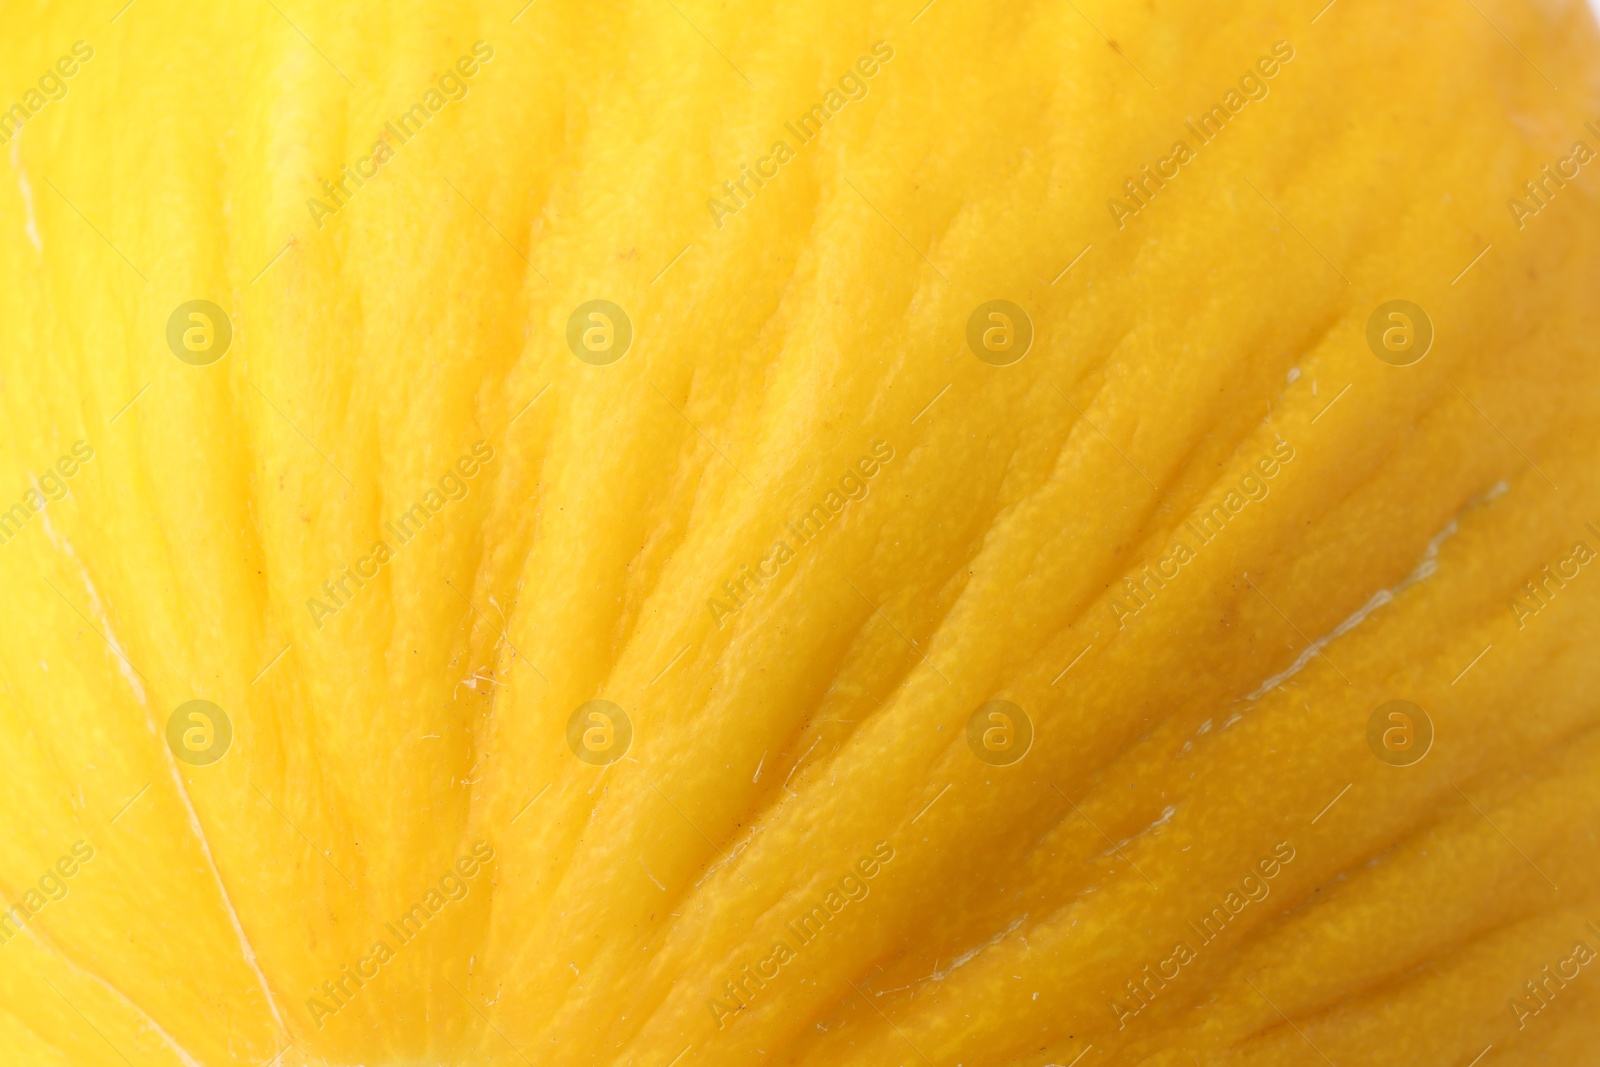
[[676, 533]]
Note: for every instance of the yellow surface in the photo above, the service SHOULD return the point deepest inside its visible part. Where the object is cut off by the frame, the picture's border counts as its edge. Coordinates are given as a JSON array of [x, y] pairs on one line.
[[788, 742]]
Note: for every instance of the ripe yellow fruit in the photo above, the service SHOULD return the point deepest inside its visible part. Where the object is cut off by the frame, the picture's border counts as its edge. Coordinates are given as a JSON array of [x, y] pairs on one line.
[[676, 533]]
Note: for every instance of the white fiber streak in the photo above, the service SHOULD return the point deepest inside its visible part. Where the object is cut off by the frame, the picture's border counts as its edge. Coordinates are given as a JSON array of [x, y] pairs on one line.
[[171, 1042], [128, 673], [972, 953], [1425, 568], [32, 228]]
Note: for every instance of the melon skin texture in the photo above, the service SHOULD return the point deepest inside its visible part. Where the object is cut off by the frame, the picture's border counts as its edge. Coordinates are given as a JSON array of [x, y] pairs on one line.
[[410, 525]]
